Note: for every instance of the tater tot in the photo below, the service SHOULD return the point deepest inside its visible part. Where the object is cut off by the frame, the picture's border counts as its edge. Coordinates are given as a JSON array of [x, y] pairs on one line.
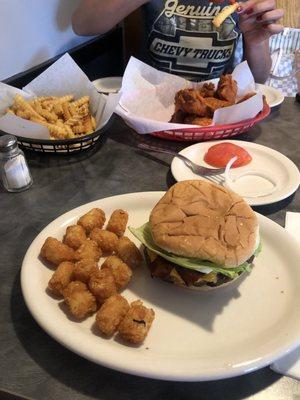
[[95, 218], [84, 269], [56, 252], [128, 252], [111, 313], [136, 323], [121, 272], [61, 277], [89, 250], [117, 222], [75, 236], [79, 300], [106, 240], [102, 284]]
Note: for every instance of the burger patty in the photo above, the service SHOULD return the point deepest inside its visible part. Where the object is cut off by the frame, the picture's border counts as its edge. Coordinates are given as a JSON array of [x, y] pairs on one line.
[[170, 272]]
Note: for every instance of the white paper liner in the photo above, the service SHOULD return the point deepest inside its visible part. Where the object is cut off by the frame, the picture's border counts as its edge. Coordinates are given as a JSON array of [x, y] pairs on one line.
[[147, 101], [61, 78]]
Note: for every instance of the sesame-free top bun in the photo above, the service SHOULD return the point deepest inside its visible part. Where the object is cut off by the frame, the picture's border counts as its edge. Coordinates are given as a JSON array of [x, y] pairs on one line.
[[202, 220]]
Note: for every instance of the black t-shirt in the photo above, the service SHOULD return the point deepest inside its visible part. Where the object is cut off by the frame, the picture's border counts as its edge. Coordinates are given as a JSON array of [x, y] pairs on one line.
[[181, 39]]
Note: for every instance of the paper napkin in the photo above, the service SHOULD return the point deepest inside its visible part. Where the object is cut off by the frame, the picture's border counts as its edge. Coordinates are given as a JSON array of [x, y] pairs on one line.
[[290, 365]]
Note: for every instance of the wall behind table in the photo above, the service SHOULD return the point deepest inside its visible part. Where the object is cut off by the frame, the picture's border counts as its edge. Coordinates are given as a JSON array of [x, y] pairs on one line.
[[32, 31], [292, 12]]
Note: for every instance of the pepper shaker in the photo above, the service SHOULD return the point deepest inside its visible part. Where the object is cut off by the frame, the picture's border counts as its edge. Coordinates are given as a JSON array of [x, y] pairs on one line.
[[15, 173]]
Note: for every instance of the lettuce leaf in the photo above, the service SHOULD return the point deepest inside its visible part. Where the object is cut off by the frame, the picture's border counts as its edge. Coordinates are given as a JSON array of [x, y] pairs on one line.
[[143, 234], [258, 250]]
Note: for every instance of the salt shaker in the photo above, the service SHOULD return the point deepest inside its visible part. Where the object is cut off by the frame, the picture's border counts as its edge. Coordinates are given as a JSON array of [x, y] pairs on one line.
[[15, 174]]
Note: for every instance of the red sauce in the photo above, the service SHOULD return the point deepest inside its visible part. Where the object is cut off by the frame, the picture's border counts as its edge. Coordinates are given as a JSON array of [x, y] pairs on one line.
[[220, 154]]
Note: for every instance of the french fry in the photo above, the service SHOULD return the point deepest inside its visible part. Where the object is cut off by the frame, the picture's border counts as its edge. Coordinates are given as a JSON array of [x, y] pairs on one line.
[[37, 120], [72, 109], [225, 13], [74, 120], [57, 132], [84, 110], [81, 101], [93, 123], [66, 98], [42, 99], [49, 116], [69, 131], [64, 117], [25, 106], [57, 109], [78, 130], [66, 113]]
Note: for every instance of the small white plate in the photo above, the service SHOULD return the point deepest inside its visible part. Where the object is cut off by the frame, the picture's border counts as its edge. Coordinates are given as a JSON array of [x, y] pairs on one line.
[[256, 190], [195, 335], [274, 97], [111, 84]]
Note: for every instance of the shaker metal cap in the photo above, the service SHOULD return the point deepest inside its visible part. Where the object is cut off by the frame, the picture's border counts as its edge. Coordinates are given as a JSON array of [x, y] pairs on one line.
[[7, 143]]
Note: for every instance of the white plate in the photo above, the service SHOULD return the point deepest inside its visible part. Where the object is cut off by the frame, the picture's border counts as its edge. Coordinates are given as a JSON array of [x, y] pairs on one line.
[[195, 336], [111, 84], [274, 97], [256, 190]]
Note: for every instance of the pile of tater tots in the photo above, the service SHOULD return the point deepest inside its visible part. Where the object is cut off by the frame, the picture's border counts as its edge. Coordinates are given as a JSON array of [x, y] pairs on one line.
[[87, 288]]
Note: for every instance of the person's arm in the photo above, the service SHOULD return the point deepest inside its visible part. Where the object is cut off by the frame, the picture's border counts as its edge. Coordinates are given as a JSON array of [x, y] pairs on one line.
[[258, 22], [94, 17], [259, 60]]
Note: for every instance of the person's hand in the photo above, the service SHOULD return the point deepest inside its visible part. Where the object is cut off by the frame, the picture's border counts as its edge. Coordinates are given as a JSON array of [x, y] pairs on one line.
[[259, 19]]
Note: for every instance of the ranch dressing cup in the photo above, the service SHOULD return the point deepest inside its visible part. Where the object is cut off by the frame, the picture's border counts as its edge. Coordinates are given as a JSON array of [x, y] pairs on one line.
[[15, 174]]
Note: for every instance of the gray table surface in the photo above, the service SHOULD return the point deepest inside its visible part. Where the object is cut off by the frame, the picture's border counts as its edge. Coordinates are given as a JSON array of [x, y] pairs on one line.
[[32, 364]]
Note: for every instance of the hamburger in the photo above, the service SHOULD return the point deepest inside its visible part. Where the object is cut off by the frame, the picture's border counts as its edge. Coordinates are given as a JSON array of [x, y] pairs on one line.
[[200, 235]]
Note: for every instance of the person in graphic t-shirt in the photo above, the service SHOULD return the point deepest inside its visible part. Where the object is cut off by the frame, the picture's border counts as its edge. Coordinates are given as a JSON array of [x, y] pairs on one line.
[[180, 38]]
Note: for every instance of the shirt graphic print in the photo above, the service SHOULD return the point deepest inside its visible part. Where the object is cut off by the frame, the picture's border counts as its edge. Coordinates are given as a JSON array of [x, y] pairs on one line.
[[182, 39]]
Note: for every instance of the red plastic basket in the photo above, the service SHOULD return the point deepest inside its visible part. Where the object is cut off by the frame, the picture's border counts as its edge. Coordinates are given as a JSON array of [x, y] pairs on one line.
[[213, 132]]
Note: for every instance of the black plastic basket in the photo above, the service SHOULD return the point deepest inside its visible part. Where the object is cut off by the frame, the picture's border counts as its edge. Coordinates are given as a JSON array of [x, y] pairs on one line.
[[66, 146]]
